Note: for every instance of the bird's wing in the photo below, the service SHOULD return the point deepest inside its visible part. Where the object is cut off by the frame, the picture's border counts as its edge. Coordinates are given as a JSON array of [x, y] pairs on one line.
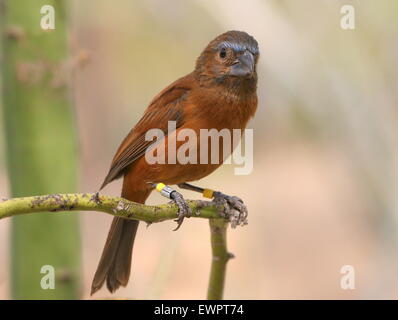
[[166, 106]]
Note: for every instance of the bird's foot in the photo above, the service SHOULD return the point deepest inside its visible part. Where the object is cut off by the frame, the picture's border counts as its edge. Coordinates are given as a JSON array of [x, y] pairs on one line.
[[234, 208], [184, 211]]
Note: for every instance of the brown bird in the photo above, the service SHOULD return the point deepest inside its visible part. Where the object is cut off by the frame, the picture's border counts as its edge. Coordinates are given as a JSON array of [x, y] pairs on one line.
[[221, 94]]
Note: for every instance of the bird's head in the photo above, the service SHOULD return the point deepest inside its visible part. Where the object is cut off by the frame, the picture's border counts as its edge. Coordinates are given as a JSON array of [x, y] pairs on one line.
[[230, 58]]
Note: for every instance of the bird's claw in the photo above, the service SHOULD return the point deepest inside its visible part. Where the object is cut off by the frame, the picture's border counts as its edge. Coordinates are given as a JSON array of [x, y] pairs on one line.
[[184, 211], [234, 208]]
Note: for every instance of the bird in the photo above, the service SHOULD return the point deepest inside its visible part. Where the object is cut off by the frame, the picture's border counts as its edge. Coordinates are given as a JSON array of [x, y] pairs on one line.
[[220, 93]]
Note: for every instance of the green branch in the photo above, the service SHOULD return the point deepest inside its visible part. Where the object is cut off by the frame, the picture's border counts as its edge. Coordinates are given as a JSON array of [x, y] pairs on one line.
[[219, 216], [115, 206], [220, 257]]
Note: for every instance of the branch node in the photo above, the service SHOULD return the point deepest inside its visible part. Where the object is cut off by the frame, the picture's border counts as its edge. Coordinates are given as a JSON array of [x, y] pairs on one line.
[[96, 198]]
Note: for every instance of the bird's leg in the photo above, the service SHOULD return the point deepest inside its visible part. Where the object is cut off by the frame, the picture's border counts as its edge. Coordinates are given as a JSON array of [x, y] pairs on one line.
[[235, 208], [183, 209], [215, 195]]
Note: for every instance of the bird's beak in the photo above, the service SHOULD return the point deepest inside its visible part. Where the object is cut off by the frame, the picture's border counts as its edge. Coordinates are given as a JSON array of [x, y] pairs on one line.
[[243, 66]]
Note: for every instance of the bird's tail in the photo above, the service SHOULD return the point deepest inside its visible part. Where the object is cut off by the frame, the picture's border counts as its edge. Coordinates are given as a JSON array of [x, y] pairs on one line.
[[115, 262]]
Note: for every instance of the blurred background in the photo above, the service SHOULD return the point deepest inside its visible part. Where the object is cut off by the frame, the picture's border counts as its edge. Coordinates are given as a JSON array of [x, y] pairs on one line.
[[323, 192]]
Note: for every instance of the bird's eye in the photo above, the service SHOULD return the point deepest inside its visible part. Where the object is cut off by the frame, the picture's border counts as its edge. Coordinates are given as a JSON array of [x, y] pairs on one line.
[[223, 53]]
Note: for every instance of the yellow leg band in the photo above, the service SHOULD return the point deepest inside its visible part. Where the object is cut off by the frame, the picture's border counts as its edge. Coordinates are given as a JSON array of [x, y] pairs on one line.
[[208, 193], [160, 186], [164, 190]]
